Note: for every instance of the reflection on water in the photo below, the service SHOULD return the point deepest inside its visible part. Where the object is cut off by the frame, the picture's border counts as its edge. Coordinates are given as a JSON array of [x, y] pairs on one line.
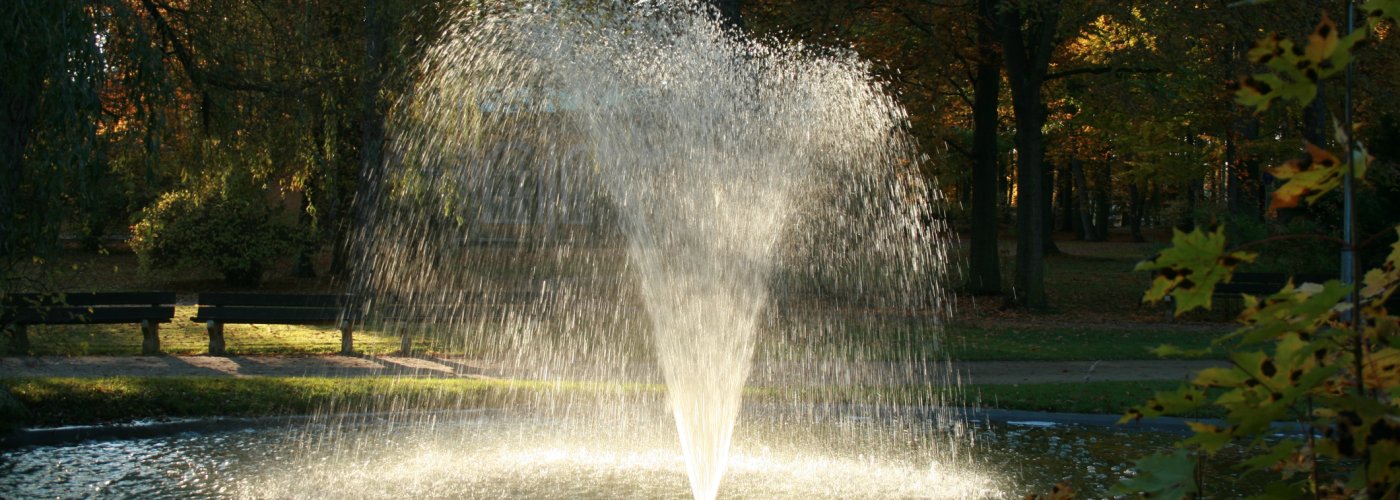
[[506, 455]]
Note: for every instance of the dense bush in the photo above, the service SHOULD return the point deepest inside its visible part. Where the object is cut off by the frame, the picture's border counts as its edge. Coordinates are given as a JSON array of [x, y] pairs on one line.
[[231, 231]]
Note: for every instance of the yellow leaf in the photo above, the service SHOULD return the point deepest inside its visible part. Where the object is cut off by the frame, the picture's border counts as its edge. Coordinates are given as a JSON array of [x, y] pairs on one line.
[[1288, 196], [1321, 157], [1287, 169], [1323, 40], [1380, 282], [1321, 175], [1265, 49]]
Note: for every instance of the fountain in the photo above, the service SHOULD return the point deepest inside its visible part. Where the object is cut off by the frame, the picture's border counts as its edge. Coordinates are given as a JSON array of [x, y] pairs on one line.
[[604, 199], [643, 171]]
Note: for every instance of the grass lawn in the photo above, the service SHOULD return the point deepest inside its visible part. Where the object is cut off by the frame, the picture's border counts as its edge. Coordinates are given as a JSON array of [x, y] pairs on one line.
[[65, 401], [1089, 397], [1094, 294], [963, 342], [1067, 343]]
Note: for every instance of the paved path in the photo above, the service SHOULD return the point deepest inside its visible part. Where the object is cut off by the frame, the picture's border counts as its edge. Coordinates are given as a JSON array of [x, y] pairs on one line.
[[982, 372]]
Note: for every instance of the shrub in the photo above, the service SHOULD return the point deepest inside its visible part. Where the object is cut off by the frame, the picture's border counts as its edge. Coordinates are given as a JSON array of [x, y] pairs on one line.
[[233, 232]]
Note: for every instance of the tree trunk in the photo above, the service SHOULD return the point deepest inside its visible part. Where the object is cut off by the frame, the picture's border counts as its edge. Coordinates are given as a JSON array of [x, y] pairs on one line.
[[1188, 222], [1154, 200], [371, 119], [19, 112], [1135, 212], [1066, 181], [1048, 208], [1103, 201], [1026, 67], [984, 261], [1081, 182]]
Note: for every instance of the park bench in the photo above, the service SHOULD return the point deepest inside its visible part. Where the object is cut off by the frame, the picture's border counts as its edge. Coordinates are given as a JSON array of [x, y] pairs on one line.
[[19, 310], [1262, 284], [217, 309]]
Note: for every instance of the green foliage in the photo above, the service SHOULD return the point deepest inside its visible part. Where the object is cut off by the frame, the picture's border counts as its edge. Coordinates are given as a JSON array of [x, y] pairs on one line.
[[1160, 473], [1306, 353], [1298, 357], [1311, 179], [1379, 11], [1288, 255], [48, 107], [61, 401], [232, 231], [1296, 71], [1190, 269]]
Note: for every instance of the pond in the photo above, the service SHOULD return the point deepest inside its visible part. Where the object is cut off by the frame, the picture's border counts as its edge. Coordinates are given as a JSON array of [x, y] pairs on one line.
[[504, 454]]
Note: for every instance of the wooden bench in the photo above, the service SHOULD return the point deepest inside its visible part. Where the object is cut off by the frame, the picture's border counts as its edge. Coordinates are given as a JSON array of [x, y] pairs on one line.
[[1257, 284], [218, 309], [19, 310]]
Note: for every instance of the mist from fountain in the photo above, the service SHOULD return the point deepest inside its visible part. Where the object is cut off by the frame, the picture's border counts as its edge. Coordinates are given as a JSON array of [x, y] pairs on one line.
[[763, 193]]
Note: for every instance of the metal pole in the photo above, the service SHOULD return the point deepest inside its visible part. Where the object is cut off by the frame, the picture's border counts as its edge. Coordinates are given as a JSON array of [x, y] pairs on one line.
[[1349, 270], [1349, 264]]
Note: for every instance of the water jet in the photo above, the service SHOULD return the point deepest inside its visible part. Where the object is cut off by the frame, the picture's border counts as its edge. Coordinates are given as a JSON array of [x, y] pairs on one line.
[[697, 186]]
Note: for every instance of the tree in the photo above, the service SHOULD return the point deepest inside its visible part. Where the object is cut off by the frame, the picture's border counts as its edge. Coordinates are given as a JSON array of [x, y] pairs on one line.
[[984, 259], [48, 107], [1323, 354], [1028, 39]]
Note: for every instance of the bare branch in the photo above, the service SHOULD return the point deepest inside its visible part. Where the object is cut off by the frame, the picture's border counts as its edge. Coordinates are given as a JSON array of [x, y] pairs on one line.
[[1099, 70]]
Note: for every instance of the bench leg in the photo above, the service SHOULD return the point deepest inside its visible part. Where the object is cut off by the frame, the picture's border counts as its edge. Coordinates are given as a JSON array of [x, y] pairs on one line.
[[150, 338], [216, 338], [347, 342], [19, 340], [405, 341]]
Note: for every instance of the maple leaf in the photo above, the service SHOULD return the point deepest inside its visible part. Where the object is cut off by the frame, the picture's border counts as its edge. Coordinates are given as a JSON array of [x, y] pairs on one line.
[[1381, 282], [1309, 180], [1323, 41], [1162, 475], [1190, 269]]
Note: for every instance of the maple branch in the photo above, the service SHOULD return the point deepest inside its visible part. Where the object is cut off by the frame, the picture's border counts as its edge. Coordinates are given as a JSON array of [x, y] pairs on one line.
[[202, 77], [959, 148], [1099, 70], [959, 91]]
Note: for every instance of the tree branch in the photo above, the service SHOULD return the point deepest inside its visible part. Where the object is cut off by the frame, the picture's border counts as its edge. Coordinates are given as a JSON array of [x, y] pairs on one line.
[[959, 91], [201, 77], [955, 146], [1044, 38], [1099, 70]]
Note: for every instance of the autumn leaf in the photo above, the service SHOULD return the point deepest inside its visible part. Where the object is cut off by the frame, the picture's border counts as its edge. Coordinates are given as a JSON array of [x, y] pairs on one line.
[[1259, 91], [1309, 180], [1265, 49], [1189, 270], [1208, 437], [1382, 10], [1323, 40], [1380, 283], [1295, 70]]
